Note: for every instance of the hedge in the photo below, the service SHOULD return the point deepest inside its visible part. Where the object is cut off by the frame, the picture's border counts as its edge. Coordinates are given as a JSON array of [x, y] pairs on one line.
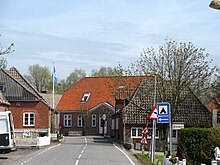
[[197, 145]]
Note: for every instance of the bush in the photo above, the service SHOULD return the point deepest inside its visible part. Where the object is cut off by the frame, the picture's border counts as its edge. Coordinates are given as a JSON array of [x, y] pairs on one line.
[[197, 145]]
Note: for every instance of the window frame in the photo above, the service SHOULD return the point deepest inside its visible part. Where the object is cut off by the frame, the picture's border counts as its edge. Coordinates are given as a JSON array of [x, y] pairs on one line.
[[85, 97], [2, 87], [67, 120], [29, 119], [79, 121], [137, 132], [157, 133], [93, 120]]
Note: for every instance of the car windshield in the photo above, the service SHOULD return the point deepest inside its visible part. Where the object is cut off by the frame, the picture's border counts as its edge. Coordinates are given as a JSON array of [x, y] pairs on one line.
[[3, 125]]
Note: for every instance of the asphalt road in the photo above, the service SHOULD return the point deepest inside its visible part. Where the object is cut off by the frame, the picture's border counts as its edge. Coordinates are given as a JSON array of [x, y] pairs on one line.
[[83, 150]]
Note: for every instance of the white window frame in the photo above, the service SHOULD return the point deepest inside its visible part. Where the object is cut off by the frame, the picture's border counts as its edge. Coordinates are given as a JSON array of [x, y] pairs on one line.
[[137, 130], [85, 97], [156, 131], [30, 120], [67, 120], [93, 120], [79, 121], [113, 124]]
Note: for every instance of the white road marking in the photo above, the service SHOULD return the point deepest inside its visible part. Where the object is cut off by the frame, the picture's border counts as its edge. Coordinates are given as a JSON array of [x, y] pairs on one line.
[[39, 154], [77, 161], [125, 154]]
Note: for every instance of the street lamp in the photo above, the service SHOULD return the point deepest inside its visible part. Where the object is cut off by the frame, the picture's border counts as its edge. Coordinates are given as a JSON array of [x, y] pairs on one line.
[[215, 4]]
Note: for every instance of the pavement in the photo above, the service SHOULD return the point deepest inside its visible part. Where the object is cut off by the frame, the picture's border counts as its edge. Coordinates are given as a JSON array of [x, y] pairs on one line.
[[131, 151]]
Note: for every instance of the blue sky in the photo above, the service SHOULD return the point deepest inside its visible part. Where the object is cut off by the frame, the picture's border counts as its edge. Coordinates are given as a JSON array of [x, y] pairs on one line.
[[88, 34]]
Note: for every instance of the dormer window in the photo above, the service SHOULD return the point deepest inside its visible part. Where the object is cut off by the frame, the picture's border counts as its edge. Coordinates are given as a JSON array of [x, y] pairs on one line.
[[85, 97]]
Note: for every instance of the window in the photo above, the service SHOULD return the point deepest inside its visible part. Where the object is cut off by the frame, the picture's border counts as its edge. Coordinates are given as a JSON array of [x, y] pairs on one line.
[[2, 87], [150, 133], [28, 119], [93, 120], [174, 134], [67, 120], [4, 125], [80, 121], [136, 132], [85, 97]]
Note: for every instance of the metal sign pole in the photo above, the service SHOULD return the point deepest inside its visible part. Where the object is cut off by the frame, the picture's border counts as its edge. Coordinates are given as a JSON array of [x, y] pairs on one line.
[[170, 124], [154, 124]]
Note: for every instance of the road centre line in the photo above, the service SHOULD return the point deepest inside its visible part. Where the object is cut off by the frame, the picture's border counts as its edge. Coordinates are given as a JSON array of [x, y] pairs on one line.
[[77, 161], [39, 154], [124, 154]]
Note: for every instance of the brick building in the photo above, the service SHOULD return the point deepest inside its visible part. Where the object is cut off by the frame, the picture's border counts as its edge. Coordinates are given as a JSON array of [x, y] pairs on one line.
[[83, 106], [30, 111]]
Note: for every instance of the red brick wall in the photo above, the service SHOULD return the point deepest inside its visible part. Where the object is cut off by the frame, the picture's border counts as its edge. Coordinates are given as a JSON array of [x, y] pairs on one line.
[[42, 114], [89, 130]]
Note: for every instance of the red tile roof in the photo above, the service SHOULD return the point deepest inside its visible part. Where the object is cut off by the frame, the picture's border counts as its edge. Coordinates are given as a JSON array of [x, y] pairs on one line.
[[101, 89]]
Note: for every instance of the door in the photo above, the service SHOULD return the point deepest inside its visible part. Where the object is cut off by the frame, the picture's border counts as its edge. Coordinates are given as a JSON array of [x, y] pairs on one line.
[[100, 125]]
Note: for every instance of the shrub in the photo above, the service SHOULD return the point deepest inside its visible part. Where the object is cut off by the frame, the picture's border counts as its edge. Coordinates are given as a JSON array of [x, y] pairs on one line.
[[197, 145]]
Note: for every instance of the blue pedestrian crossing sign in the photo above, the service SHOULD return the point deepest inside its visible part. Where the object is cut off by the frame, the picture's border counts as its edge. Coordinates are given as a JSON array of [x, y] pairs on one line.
[[163, 112]]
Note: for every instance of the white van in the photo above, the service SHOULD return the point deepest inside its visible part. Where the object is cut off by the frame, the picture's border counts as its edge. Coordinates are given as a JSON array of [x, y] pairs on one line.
[[7, 135]]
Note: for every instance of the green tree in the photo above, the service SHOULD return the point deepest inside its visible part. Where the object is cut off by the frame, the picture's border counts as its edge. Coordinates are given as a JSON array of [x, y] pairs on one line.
[[104, 71], [40, 77], [73, 77]]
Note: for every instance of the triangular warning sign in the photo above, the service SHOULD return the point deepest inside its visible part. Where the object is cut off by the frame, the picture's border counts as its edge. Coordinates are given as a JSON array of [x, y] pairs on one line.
[[153, 114], [144, 140], [145, 130]]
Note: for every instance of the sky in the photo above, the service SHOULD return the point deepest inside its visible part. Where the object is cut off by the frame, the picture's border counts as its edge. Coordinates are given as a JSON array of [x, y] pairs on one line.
[[88, 34]]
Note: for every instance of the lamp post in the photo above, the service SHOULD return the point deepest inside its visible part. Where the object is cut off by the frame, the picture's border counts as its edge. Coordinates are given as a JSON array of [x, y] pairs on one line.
[[215, 4]]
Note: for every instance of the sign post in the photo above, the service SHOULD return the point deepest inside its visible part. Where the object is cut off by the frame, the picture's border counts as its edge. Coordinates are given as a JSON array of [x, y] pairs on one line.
[[164, 116]]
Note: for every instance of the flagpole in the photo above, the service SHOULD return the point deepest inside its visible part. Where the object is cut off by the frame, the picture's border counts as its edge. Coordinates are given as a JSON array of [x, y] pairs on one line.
[[53, 77]]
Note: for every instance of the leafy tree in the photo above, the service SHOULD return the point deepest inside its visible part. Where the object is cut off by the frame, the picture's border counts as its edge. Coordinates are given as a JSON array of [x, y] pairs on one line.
[[73, 77], [216, 89], [104, 71], [4, 51], [40, 77], [182, 65]]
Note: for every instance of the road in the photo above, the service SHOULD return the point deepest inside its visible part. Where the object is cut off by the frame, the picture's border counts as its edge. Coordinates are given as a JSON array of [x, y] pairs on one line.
[[83, 150]]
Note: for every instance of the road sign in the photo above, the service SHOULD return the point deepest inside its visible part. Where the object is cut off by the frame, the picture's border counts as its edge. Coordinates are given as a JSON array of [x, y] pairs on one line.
[[145, 130], [153, 114], [163, 111], [144, 140]]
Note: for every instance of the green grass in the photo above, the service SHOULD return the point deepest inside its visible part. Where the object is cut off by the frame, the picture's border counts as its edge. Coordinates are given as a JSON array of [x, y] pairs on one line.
[[159, 157], [146, 160]]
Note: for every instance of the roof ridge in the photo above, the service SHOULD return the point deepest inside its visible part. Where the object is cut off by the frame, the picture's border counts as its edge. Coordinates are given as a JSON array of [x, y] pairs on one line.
[[26, 81], [18, 82]]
